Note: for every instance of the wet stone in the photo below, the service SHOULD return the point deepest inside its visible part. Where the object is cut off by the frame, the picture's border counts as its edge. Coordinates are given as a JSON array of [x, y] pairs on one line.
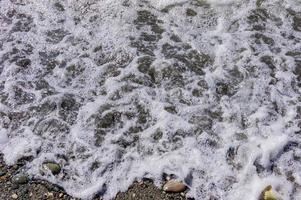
[[296, 19], [48, 55], [45, 88], [23, 97], [258, 15], [135, 129], [222, 88], [175, 38], [268, 60], [18, 55], [146, 42], [20, 179], [259, 38], [45, 108], [197, 92], [108, 120], [123, 143], [68, 102], [157, 29], [48, 59], [203, 84], [23, 62], [74, 70], [127, 88], [24, 24], [290, 176], [257, 27], [68, 108], [174, 186], [148, 37], [99, 136], [59, 6], [157, 135], [267, 194], [230, 155], [259, 2], [95, 165], [51, 127], [97, 48], [56, 35], [236, 76], [171, 109], [145, 18], [173, 76], [54, 168], [14, 196], [204, 122], [170, 51], [190, 12], [93, 18], [259, 167], [191, 59], [297, 23], [2, 172], [112, 71], [143, 48], [144, 63], [241, 136], [143, 114], [293, 54]]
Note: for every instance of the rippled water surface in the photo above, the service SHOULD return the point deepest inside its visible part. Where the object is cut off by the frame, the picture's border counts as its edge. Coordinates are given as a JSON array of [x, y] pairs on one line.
[[119, 90]]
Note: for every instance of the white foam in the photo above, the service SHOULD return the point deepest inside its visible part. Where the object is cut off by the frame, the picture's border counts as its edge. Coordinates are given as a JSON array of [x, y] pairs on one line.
[[227, 143], [160, 4], [3, 137], [221, 2]]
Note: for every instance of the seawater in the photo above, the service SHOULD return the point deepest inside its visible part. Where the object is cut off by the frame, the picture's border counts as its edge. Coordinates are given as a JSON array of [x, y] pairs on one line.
[[120, 90]]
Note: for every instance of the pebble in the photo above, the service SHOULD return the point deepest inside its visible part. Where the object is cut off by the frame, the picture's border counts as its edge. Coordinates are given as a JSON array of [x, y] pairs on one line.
[[14, 196], [2, 172], [61, 195], [53, 167], [49, 194], [268, 194], [174, 186], [20, 179]]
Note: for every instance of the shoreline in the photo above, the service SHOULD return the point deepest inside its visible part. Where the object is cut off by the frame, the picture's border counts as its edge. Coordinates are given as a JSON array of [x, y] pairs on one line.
[[24, 188]]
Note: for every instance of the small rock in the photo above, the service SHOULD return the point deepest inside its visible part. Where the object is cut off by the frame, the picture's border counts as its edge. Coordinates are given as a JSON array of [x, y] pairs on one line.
[[191, 13], [20, 179], [267, 194], [50, 194], [61, 195], [174, 186], [59, 7], [53, 167], [2, 172], [14, 196]]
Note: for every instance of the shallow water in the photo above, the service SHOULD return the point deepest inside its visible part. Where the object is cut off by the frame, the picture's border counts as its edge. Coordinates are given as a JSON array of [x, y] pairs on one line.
[[116, 91]]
